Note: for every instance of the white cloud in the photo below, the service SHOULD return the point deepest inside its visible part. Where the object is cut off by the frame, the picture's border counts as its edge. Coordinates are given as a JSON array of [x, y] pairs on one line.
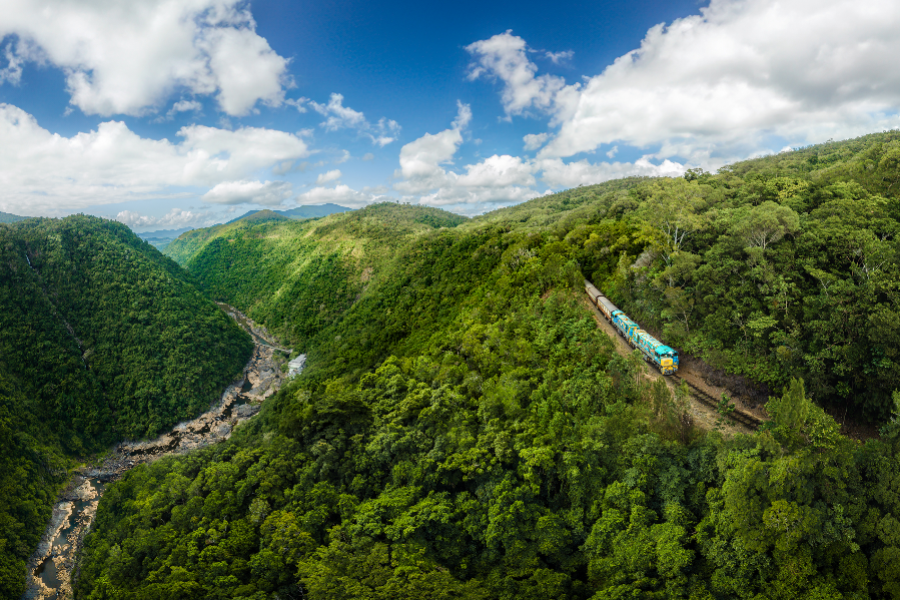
[[43, 171], [612, 152], [298, 103], [185, 106], [324, 178], [345, 156], [720, 85], [559, 174], [174, 219], [533, 141], [505, 56], [498, 171], [560, 57], [421, 159], [16, 56], [340, 194], [339, 116], [368, 156], [267, 193], [497, 179], [128, 57], [425, 174], [179, 107]]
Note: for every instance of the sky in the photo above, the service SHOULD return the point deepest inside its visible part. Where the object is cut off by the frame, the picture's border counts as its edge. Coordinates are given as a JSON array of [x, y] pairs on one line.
[[166, 114]]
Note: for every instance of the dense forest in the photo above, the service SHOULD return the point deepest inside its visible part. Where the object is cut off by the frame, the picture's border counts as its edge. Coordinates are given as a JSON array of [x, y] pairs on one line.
[[101, 338], [297, 277], [464, 430]]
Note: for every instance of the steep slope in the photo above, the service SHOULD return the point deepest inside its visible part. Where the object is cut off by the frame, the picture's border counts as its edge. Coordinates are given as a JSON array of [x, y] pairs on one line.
[[464, 431], [299, 276], [101, 337]]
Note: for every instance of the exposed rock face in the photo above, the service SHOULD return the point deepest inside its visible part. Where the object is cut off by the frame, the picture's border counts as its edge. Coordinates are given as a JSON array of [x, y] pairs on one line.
[[296, 365], [52, 565]]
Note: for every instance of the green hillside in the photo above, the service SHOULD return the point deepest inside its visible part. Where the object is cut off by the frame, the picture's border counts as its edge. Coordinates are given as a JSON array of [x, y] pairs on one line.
[[101, 338], [464, 430], [299, 276], [9, 218]]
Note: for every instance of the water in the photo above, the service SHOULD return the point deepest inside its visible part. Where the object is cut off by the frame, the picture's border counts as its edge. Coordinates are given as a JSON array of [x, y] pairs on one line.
[[50, 567]]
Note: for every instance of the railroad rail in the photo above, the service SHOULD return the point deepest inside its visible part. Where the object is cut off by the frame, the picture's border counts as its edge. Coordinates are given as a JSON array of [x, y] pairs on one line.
[[736, 415]]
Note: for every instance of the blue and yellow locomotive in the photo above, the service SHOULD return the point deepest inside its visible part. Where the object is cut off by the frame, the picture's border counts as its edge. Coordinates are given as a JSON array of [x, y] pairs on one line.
[[654, 351]]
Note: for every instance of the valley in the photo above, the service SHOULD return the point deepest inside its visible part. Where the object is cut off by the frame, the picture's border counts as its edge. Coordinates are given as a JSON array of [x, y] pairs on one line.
[[461, 427], [53, 566]]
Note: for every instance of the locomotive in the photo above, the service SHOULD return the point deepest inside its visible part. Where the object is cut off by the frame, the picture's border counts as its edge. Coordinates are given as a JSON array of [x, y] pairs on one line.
[[654, 351]]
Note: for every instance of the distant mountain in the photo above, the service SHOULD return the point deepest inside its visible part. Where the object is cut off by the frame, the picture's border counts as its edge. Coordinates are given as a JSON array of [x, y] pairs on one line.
[[311, 211], [161, 238], [8, 218], [163, 233]]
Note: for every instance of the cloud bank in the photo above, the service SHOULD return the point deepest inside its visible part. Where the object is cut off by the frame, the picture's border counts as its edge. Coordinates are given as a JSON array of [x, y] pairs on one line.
[[128, 57], [45, 172], [720, 83]]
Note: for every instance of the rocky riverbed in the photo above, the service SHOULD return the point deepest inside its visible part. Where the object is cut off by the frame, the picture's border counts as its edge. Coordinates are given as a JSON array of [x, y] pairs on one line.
[[52, 564]]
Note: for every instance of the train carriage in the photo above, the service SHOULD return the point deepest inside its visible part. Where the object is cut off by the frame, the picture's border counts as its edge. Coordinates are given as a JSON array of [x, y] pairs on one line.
[[654, 351]]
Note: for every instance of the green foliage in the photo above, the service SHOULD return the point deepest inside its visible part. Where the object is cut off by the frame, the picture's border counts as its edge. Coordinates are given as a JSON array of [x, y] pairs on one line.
[[101, 337], [774, 268], [464, 430], [299, 276]]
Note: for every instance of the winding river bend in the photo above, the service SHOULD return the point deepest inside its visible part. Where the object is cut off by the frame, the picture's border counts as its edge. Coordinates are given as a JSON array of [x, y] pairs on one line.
[[51, 567]]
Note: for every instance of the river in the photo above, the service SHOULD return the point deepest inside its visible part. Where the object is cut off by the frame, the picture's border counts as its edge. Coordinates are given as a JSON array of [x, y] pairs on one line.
[[51, 567]]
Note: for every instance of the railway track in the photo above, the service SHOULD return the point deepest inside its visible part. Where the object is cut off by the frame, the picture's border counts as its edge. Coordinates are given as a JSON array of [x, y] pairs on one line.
[[735, 415], [738, 416]]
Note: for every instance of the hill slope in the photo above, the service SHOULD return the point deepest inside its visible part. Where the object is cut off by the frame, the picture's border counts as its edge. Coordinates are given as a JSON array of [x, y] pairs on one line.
[[298, 276], [101, 337], [465, 431], [9, 218]]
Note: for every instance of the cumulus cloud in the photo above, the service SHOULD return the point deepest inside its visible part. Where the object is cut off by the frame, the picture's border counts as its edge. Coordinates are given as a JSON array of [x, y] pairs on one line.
[[505, 57], [128, 57], [16, 56], [497, 179], [337, 116], [340, 194], [721, 83], [421, 159], [267, 193], [560, 57], [559, 174], [179, 107], [174, 219], [324, 178], [50, 172], [533, 141]]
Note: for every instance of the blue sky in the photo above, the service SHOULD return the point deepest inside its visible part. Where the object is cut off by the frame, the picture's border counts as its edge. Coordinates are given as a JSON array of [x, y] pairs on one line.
[[166, 114]]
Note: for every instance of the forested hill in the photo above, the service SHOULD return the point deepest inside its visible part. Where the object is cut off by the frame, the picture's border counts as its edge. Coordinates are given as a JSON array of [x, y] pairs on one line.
[[776, 267], [101, 338], [464, 430], [8, 218], [299, 276]]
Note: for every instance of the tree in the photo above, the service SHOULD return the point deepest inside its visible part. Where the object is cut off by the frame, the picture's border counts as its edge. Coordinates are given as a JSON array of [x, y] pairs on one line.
[[766, 224]]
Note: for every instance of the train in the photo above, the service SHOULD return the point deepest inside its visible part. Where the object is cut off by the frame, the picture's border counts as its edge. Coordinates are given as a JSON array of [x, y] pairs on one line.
[[663, 357]]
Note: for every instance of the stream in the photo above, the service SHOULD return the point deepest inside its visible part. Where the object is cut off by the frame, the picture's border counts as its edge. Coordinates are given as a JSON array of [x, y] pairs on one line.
[[51, 567]]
